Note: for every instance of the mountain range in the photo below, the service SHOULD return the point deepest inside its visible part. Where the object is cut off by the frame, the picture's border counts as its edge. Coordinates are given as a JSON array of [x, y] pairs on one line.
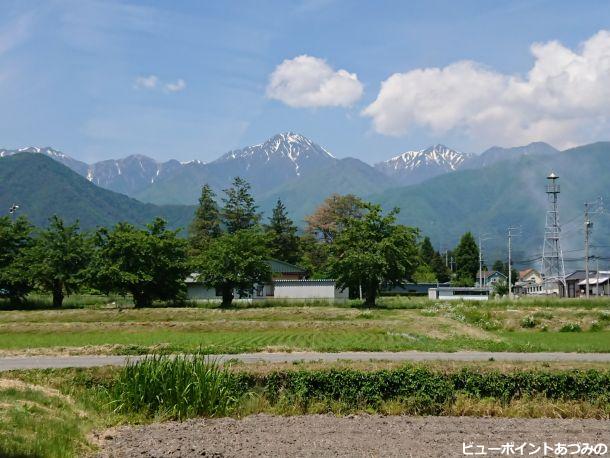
[[440, 190]]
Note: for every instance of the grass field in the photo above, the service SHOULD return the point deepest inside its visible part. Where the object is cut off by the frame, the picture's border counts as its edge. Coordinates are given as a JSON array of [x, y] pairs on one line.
[[398, 324]]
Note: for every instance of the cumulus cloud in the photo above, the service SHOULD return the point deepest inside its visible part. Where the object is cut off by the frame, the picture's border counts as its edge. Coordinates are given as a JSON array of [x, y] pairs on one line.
[[307, 81], [563, 99], [147, 82], [178, 86]]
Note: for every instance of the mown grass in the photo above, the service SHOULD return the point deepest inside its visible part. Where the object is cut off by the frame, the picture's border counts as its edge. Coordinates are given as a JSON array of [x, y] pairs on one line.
[[437, 327]]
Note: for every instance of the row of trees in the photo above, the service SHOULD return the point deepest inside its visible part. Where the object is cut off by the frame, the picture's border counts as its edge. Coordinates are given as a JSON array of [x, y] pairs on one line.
[[147, 263], [228, 246]]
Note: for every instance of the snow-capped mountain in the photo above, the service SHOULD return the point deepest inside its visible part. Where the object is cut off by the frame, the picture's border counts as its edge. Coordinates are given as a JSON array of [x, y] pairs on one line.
[[289, 151], [413, 167], [283, 158], [74, 164], [128, 175], [131, 174]]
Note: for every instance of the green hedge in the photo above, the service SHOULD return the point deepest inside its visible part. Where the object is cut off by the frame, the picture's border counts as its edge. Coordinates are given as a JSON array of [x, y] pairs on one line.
[[355, 387], [186, 386]]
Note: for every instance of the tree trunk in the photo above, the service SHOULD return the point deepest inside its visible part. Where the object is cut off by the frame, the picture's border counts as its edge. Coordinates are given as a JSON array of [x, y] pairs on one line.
[[58, 294], [141, 299], [371, 294], [227, 296]]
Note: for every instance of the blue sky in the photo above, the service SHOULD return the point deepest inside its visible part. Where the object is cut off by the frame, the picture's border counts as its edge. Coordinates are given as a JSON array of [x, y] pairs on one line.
[[192, 79]]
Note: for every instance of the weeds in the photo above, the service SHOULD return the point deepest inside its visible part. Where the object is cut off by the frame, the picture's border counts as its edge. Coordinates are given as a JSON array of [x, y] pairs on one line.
[[174, 387], [570, 327]]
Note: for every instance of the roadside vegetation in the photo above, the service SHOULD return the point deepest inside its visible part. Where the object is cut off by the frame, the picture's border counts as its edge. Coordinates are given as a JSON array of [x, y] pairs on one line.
[[63, 413]]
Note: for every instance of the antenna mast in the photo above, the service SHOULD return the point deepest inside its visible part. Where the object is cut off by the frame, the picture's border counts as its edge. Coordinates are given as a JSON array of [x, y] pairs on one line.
[[553, 269]]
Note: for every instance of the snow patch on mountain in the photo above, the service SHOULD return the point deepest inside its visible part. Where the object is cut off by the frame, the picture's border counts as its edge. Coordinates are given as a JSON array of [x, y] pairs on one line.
[[287, 147], [416, 166]]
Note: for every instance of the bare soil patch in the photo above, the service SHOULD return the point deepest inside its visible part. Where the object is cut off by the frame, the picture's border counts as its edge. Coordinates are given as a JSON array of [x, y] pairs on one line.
[[353, 436]]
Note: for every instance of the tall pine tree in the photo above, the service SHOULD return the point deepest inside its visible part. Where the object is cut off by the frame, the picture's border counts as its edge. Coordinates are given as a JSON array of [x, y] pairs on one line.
[[239, 210], [283, 241], [206, 223], [467, 258], [426, 251]]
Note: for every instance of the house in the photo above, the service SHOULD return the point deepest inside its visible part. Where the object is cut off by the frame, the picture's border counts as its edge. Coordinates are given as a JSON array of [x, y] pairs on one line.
[[530, 282], [490, 278], [530, 276], [288, 281], [459, 293], [573, 283]]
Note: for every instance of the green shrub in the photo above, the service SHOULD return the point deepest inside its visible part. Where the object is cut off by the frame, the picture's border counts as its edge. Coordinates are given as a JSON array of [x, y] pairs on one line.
[[596, 326], [570, 327], [529, 322]]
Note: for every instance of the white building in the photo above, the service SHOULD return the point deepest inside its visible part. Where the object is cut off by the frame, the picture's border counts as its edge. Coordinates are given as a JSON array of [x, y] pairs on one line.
[[308, 289], [463, 293]]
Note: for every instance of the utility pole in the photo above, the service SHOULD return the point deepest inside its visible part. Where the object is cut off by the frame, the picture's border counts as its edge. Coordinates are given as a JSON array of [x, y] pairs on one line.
[[511, 234], [597, 275], [588, 225], [480, 264]]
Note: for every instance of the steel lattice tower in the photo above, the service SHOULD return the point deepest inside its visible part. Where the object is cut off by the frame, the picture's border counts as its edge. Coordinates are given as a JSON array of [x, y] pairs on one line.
[[553, 269]]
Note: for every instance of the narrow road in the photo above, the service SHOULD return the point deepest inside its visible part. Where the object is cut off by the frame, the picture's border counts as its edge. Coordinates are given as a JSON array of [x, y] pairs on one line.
[[57, 362]]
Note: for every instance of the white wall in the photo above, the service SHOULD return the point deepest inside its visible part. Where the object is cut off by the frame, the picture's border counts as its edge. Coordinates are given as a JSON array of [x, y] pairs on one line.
[[308, 290]]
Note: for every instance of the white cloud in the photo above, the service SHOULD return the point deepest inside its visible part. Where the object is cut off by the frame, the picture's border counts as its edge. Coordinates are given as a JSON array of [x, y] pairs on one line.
[[147, 82], [152, 82], [563, 99], [178, 86], [307, 81]]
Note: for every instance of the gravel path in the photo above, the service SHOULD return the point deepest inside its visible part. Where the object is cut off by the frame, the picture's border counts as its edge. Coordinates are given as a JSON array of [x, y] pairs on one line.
[[352, 436], [56, 362]]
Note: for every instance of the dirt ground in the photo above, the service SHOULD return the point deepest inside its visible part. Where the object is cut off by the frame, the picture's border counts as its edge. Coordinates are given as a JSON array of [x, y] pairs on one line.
[[351, 436]]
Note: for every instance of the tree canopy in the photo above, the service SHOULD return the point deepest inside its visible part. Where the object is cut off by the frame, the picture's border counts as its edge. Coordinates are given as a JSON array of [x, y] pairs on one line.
[[467, 259], [147, 263], [206, 222], [329, 218], [59, 259], [372, 249], [15, 240], [234, 261], [282, 238], [239, 210]]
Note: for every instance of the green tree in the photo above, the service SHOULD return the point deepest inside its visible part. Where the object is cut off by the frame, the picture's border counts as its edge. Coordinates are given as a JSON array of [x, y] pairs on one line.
[[467, 257], [372, 250], [234, 261], [239, 211], [206, 223], [501, 288], [147, 263], [59, 259], [282, 238], [499, 266], [314, 256], [15, 241], [424, 274], [426, 251], [440, 269]]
